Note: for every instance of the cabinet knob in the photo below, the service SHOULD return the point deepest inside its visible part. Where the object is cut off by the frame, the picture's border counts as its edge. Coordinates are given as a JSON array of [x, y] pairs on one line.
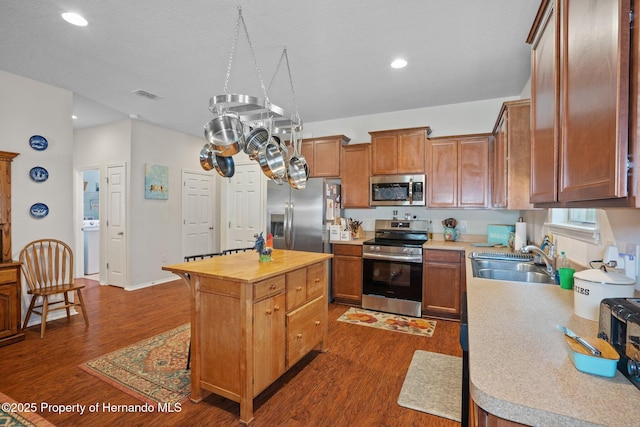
[[299, 336], [276, 308], [299, 288], [268, 311], [273, 286], [317, 281], [317, 323]]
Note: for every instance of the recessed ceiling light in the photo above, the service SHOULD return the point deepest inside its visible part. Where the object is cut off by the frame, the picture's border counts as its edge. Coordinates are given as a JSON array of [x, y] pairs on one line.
[[75, 19], [399, 63], [74, 117]]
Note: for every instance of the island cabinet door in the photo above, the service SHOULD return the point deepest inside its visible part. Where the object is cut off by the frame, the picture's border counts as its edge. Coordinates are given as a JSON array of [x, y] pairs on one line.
[[305, 329], [268, 341]]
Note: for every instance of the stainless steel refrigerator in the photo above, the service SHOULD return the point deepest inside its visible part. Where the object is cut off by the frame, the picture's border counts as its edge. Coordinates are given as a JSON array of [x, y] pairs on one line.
[[300, 219]]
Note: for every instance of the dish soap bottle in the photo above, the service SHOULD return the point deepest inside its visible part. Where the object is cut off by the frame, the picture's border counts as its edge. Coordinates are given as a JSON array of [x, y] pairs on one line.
[[562, 261], [430, 230]]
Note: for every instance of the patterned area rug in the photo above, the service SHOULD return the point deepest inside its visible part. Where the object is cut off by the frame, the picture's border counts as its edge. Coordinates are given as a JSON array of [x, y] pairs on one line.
[[153, 370], [433, 385], [12, 414], [390, 322]]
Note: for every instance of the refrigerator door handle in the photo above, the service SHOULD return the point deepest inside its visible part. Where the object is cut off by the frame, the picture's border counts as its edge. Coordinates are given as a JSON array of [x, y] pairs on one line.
[[292, 231], [286, 225]]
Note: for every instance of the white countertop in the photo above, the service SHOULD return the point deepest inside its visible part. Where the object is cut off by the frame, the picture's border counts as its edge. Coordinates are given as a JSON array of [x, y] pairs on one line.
[[518, 361]]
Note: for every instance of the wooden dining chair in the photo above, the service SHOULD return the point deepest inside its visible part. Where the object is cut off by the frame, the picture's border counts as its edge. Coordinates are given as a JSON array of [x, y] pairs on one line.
[[47, 266]]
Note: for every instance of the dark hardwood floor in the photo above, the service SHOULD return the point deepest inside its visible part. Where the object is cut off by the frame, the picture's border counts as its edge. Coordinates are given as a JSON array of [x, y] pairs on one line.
[[355, 383]]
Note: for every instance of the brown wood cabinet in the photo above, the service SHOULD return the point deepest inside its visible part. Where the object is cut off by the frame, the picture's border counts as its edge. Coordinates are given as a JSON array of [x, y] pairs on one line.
[[458, 171], [5, 205], [323, 155], [347, 274], [511, 169], [251, 321], [355, 175], [10, 303], [398, 151], [269, 339], [482, 418], [443, 278], [580, 101]]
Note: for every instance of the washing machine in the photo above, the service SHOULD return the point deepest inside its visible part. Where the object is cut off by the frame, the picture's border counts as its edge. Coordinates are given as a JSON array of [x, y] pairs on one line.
[[91, 230]]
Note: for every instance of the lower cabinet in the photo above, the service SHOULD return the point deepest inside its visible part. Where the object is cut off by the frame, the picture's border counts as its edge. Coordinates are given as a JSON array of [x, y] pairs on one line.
[[347, 274], [482, 418], [289, 320], [443, 279], [10, 313], [268, 341]]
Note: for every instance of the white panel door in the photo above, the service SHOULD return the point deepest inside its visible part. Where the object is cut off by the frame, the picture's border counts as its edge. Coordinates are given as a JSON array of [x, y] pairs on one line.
[[116, 226], [198, 195], [244, 206]]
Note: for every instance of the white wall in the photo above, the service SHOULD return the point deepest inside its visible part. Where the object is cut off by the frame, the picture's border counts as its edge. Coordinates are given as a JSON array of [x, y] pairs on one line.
[[453, 119], [155, 226], [95, 148], [30, 108]]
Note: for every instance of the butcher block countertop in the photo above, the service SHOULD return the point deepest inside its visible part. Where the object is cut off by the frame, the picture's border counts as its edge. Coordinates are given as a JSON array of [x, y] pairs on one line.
[[245, 267], [519, 366]]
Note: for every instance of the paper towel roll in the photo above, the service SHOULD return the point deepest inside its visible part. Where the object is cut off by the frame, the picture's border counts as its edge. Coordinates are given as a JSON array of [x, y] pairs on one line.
[[521, 235]]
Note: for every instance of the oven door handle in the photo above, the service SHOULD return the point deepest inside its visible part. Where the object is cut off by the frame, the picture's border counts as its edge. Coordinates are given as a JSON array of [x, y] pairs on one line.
[[401, 258]]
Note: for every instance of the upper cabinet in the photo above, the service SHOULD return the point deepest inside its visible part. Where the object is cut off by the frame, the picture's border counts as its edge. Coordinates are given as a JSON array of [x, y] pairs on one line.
[[323, 155], [510, 178], [398, 151], [355, 175], [580, 89], [458, 171]]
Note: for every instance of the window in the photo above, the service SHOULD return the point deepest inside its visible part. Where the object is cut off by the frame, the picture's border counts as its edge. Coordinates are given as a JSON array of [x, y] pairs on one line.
[[582, 217], [581, 224]]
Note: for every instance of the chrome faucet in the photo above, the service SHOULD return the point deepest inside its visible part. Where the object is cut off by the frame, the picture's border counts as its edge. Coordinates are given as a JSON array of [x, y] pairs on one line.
[[547, 260], [547, 243]]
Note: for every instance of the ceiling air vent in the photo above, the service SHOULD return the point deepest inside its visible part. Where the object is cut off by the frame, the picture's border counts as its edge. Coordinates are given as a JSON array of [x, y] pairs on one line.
[[145, 94]]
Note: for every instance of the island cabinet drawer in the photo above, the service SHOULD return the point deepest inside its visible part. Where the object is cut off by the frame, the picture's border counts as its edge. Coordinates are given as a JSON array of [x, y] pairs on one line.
[[347, 250], [442, 255], [268, 287], [296, 288], [8, 276], [316, 280], [305, 329]]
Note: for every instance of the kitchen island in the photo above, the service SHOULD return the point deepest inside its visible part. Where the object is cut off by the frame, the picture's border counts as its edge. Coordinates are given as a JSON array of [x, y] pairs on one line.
[[252, 321]]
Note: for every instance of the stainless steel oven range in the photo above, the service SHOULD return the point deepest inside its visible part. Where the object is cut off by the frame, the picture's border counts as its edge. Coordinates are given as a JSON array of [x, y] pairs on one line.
[[392, 267]]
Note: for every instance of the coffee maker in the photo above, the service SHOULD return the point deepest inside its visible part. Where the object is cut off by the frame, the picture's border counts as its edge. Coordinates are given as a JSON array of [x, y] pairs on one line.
[[619, 324]]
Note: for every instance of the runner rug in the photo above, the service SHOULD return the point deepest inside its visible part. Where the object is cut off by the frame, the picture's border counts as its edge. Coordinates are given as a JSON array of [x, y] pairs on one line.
[[13, 413], [152, 370], [390, 322], [433, 384]]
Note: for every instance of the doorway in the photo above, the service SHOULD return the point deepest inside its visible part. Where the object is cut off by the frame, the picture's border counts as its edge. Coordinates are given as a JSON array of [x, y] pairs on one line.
[[91, 223]]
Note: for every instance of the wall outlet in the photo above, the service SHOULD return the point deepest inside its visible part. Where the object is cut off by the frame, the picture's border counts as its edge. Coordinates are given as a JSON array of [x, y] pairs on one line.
[[463, 226]]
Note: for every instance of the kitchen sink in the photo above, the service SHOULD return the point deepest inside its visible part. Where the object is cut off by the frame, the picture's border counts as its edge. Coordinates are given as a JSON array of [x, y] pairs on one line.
[[511, 267]]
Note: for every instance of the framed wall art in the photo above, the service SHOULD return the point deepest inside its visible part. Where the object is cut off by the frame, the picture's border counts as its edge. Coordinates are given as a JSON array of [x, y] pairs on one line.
[[156, 182]]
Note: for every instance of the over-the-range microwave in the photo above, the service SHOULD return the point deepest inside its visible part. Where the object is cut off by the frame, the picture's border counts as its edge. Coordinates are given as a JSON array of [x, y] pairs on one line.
[[397, 190]]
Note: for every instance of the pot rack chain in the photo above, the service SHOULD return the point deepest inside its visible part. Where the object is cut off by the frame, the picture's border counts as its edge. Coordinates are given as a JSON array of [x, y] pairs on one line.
[[253, 55], [285, 56]]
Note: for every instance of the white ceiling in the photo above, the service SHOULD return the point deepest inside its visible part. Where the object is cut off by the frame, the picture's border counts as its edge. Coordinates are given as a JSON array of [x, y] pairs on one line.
[[339, 52]]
